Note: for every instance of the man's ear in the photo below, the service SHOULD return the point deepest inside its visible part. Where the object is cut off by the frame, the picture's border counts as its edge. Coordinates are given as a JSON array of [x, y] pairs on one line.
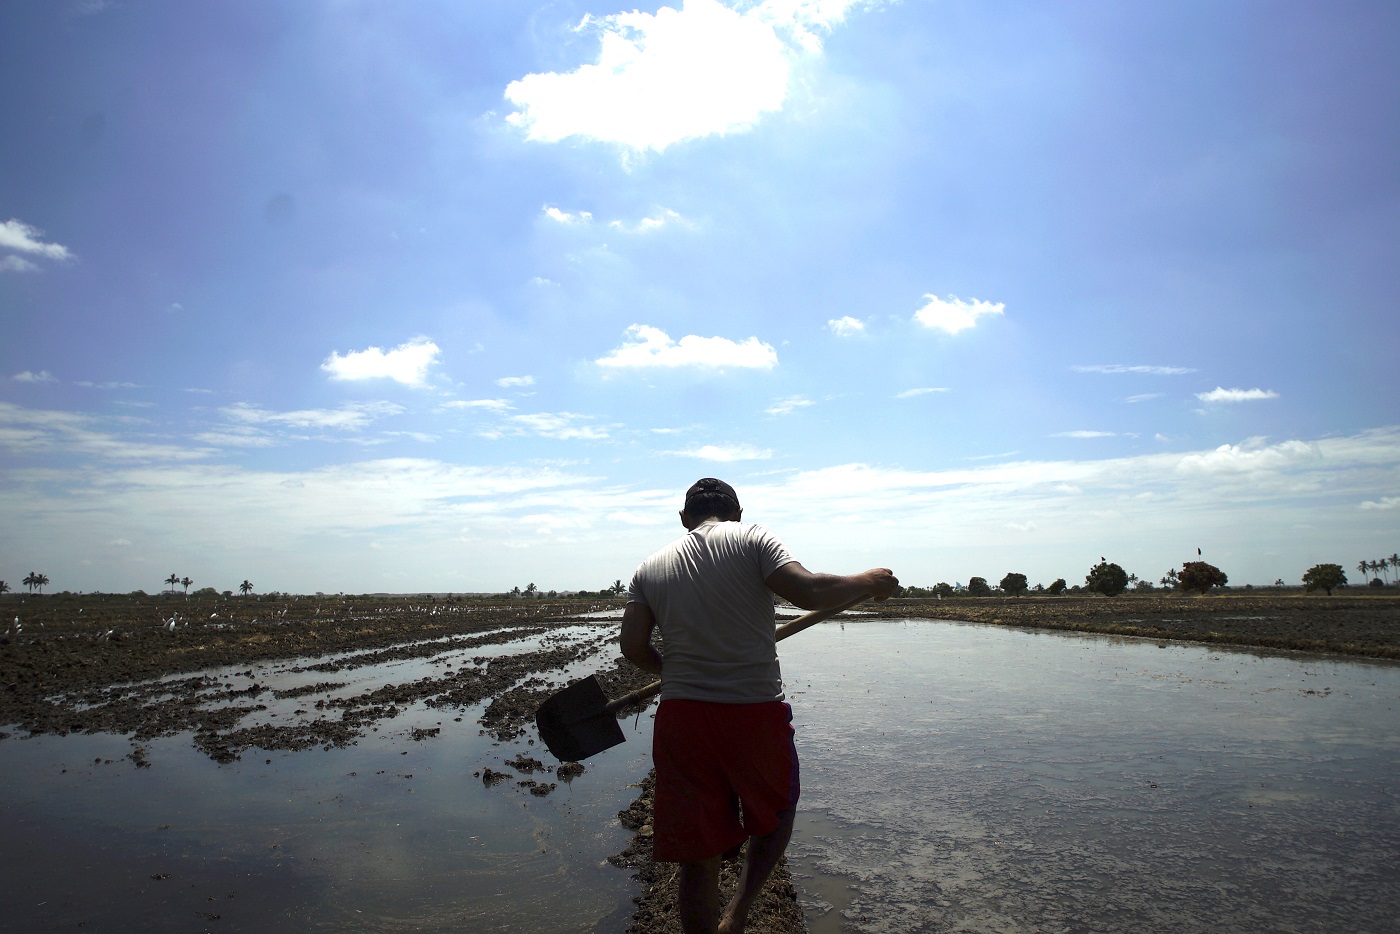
[[688, 521]]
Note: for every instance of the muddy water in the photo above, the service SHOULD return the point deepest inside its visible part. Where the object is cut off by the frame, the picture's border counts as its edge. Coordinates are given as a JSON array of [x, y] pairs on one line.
[[393, 833], [956, 778], [971, 778]]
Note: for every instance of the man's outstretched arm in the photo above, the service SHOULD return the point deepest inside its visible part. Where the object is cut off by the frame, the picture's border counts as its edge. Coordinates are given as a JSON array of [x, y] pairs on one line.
[[635, 638], [810, 591]]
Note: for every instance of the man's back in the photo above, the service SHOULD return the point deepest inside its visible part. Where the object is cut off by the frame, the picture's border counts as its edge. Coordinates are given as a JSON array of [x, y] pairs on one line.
[[708, 593]]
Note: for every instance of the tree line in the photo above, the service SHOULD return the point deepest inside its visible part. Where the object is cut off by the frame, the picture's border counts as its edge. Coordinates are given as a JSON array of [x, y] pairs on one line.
[[1110, 579]]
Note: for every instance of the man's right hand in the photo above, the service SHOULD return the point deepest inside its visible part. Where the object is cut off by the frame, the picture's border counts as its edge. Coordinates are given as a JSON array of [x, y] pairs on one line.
[[882, 583]]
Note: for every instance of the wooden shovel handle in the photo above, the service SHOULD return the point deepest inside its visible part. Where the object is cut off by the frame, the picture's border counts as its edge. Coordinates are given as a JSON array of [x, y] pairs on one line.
[[791, 628]]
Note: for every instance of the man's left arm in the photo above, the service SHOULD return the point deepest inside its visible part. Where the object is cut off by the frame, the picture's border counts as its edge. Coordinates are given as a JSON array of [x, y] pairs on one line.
[[635, 638]]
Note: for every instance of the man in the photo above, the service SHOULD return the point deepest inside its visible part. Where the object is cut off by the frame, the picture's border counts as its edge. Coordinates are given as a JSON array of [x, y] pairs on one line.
[[723, 733]]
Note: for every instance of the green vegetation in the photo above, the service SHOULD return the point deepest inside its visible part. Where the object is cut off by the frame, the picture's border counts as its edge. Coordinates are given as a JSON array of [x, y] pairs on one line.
[[1325, 576], [1106, 578], [1014, 584], [1199, 576]]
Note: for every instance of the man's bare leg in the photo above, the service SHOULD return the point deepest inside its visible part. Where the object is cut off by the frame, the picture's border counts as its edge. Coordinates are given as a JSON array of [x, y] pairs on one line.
[[698, 896], [762, 855]]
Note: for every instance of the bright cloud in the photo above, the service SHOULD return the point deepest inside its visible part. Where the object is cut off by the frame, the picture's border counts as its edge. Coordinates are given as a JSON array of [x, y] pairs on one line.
[[921, 391], [727, 454], [1121, 368], [646, 346], [17, 235], [664, 218], [678, 74], [953, 314], [1083, 434], [512, 382], [492, 405], [1144, 397], [1250, 456], [346, 418], [407, 363], [1236, 395], [789, 405], [29, 376], [564, 217], [846, 326], [1385, 502]]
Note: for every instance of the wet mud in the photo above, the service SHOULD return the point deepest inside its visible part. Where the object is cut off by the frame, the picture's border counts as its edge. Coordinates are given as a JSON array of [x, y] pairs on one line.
[[1360, 623]]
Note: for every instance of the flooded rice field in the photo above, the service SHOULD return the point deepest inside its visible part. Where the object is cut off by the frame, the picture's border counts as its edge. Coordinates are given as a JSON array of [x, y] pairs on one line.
[[381, 773], [972, 778]]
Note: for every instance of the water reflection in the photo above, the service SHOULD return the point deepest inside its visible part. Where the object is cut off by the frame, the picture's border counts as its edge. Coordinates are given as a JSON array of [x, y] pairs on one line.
[[956, 778], [969, 778]]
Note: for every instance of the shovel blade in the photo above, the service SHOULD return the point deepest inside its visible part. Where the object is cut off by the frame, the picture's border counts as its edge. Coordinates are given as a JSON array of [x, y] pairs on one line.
[[575, 723]]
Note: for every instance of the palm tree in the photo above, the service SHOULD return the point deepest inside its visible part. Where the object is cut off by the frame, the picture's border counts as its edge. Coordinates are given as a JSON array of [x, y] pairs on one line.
[[172, 580], [185, 582], [617, 587], [245, 588], [1395, 562], [1374, 566], [4, 587], [43, 582], [1363, 566], [31, 581], [530, 589]]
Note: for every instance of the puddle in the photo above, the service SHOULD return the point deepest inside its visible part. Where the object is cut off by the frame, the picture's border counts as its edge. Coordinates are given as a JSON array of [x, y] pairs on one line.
[[969, 778]]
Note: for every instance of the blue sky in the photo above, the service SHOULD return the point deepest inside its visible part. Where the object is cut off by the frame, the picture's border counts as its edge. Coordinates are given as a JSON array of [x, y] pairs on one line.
[[349, 296]]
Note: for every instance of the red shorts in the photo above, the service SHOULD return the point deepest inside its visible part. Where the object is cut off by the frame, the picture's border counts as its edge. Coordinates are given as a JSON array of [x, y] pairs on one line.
[[711, 759]]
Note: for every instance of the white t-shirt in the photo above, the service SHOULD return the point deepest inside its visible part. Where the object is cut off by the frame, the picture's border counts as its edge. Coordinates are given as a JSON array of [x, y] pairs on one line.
[[708, 593]]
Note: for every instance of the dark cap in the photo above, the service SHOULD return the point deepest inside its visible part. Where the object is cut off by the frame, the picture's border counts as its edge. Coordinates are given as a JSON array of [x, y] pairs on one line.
[[710, 486]]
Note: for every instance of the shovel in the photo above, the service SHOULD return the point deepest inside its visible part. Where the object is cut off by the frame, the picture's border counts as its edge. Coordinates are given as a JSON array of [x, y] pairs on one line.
[[580, 721]]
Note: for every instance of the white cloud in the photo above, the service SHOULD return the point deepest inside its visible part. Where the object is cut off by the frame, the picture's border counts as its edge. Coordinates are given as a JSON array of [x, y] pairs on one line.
[[407, 363], [678, 74], [646, 346], [17, 264], [789, 405], [1144, 397], [1385, 502], [88, 384], [726, 454], [510, 382], [1083, 434], [346, 418], [1122, 368], [1250, 456], [921, 391], [563, 426], [846, 326], [564, 217], [16, 235], [47, 431], [237, 437], [29, 376], [664, 218], [1236, 395], [953, 314], [493, 405]]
